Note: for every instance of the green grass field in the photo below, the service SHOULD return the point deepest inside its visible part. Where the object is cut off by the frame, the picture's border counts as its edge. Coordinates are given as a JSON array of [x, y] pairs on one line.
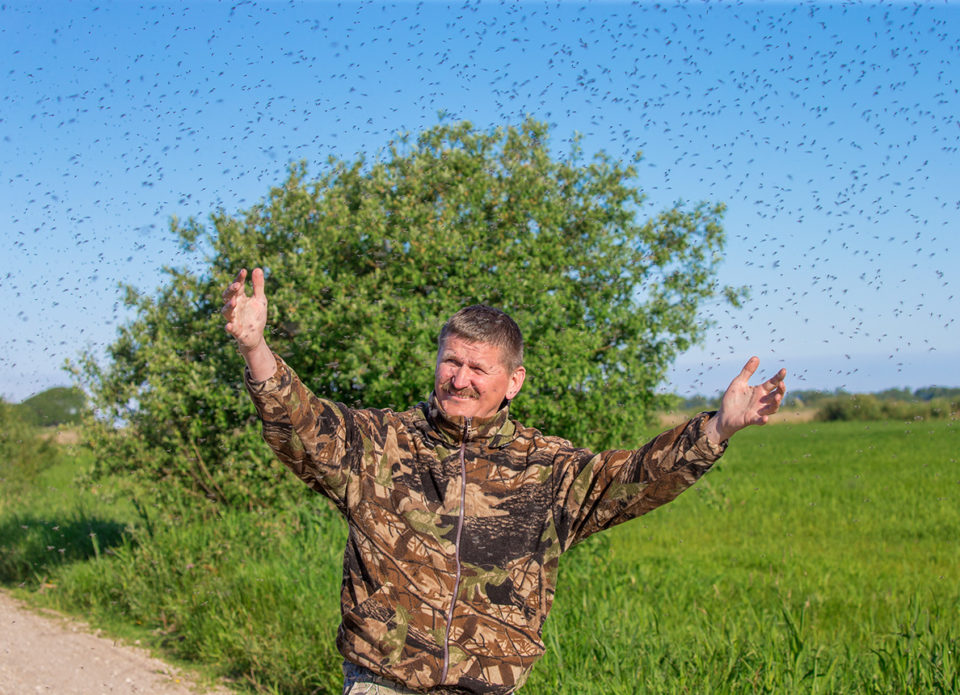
[[815, 558]]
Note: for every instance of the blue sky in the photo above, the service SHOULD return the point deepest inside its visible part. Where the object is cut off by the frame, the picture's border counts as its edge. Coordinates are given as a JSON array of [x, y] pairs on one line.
[[830, 131]]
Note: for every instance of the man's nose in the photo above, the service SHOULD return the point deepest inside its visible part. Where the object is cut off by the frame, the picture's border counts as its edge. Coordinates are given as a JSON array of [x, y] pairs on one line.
[[461, 377]]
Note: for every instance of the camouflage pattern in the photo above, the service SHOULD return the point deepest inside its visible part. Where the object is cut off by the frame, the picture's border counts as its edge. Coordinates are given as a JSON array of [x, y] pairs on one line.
[[456, 526], [358, 680]]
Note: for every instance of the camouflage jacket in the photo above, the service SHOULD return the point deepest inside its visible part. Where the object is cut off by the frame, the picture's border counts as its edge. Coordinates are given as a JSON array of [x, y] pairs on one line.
[[456, 526]]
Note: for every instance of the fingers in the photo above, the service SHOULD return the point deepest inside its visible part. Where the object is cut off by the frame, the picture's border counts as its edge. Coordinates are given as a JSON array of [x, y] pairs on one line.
[[749, 368], [228, 306], [258, 283], [235, 286], [230, 294], [770, 393], [744, 405], [774, 389], [778, 377], [776, 382], [239, 309]]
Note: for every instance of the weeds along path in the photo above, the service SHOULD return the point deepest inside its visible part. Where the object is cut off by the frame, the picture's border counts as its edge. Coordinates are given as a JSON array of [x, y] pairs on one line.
[[50, 654]]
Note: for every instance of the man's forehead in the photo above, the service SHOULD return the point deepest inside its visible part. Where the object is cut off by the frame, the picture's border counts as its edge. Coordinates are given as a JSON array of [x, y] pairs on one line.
[[470, 349]]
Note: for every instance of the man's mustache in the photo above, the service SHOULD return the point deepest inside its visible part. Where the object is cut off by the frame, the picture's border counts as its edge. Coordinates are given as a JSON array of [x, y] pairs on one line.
[[465, 392]]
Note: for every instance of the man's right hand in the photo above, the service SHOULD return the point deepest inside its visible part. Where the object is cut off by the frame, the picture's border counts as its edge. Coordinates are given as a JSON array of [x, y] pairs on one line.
[[246, 319]]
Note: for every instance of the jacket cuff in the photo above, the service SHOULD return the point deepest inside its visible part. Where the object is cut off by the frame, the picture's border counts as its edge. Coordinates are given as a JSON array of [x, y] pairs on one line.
[[274, 383], [701, 443]]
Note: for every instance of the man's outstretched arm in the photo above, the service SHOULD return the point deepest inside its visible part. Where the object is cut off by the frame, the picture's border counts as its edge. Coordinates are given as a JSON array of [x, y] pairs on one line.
[[743, 405], [246, 318], [613, 486]]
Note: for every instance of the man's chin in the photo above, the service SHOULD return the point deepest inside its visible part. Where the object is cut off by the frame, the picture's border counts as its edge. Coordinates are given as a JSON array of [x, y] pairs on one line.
[[461, 407]]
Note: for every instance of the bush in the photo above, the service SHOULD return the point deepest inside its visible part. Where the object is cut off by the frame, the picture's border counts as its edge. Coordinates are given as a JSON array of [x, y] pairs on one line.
[[24, 453], [364, 264]]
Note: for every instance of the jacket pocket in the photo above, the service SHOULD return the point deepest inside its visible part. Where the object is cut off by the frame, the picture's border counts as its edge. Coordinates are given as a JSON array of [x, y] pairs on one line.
[[376, 628]]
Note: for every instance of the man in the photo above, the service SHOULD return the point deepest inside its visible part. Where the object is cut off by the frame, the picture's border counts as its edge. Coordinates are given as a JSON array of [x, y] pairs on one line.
[[457, 514]]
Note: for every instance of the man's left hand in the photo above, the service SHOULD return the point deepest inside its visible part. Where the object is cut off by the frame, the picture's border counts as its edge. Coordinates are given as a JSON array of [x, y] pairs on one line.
[[744, 405]]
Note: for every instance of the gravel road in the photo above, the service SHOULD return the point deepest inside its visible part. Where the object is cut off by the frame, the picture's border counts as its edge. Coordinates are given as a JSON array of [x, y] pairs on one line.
[[46, 653]]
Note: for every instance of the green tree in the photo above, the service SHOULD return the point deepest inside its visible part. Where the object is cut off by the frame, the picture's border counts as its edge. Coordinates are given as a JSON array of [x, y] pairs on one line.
[[364, 263], [60, 405], [928, 393]]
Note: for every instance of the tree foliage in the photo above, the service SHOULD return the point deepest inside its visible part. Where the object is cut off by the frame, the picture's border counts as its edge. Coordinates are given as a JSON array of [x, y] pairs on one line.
[[60, 405], [364, 264]]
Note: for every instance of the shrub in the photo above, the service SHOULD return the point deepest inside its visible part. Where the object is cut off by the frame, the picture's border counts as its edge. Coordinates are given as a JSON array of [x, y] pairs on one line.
[[362, 267], [23, 451], [871, 407]]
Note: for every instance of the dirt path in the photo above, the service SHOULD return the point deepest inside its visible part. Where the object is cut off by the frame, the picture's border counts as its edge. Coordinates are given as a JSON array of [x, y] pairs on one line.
[[50, 654]]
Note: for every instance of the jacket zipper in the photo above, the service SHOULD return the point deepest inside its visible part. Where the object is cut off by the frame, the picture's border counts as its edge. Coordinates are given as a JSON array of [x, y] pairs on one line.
[[456, 583]]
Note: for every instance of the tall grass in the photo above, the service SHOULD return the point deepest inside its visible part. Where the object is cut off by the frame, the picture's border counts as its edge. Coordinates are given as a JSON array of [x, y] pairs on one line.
[[24, 453], [256, 595], [252, 597], [815, 558]]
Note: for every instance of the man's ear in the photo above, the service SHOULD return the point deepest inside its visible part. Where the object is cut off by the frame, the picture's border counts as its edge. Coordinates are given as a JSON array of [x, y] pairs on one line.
[[516, 381]]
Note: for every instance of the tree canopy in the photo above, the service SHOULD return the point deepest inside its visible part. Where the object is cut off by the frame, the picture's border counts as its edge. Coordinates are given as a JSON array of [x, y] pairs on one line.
[[60, 405], [363, 265]]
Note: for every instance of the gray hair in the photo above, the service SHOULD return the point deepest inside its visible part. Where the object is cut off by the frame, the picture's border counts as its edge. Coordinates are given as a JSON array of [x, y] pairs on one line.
[[484, 324]]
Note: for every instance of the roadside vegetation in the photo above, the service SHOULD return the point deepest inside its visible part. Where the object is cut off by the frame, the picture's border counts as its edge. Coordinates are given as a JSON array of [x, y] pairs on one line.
[[24, 452]]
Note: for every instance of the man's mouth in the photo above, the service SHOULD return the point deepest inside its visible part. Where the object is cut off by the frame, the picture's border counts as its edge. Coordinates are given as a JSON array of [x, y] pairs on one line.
[[448, 389]]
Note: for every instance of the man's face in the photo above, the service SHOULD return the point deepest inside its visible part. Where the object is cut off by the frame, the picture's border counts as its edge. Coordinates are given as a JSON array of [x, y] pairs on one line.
[[472, 380]]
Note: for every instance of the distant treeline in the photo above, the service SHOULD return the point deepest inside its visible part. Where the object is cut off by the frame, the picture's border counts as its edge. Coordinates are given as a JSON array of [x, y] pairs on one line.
[[61, 405], [67, 405], [891, 404]]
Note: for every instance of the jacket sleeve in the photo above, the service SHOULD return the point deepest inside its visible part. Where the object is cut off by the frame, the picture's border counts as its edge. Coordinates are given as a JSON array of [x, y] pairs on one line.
[[596, 491], [319, 440]]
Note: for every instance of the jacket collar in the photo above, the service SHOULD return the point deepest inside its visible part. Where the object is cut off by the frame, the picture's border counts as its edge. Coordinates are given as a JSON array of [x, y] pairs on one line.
[[495, 431]]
